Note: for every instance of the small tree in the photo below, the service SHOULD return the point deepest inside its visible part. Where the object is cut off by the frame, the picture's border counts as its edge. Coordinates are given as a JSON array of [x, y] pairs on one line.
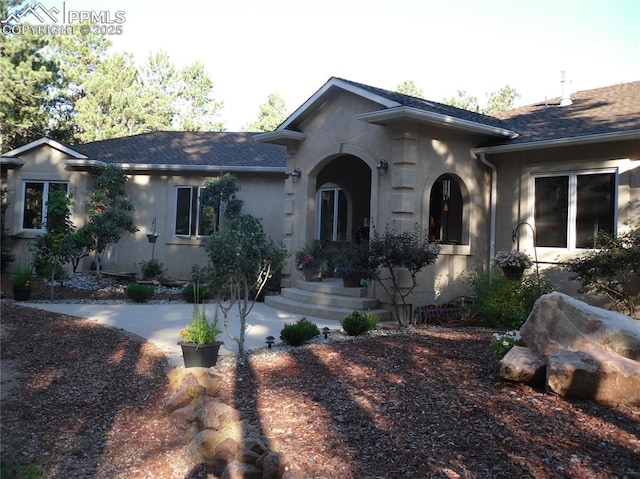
[[392, 252], [55, 248], [242, 261], [612, 270], [110, 215]]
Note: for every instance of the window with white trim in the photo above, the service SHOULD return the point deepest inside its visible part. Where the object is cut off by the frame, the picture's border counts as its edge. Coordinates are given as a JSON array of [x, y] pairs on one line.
[[34, 202], [572, 208], [191, 217]]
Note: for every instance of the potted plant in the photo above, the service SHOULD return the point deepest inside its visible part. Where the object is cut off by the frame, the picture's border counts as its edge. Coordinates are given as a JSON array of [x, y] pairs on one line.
[[311, 262], [199, 342], [22, 280], [513, 263], [354, 264]]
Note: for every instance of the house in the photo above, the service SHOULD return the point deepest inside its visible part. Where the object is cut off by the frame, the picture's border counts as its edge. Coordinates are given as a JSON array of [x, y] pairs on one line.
[[364, 157], [354, 158], [166, 171]]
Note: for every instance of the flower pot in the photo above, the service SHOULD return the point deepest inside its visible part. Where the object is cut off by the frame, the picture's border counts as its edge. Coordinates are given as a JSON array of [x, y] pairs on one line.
[[21, 293], [200, 355], [311, 274], [513, 273], [351, 282]]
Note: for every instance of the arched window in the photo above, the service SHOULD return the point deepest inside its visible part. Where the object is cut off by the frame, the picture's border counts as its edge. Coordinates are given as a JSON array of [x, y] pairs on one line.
[[446, 211]]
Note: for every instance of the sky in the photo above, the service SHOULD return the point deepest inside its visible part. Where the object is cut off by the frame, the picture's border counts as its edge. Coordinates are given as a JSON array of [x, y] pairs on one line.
[[252, 48]]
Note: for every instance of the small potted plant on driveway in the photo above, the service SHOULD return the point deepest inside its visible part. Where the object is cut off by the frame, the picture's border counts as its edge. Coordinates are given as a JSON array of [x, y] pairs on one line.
[[199, 340]]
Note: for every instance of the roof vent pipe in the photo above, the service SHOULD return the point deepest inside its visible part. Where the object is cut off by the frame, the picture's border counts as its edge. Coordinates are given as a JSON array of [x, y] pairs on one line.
[[565, 99]]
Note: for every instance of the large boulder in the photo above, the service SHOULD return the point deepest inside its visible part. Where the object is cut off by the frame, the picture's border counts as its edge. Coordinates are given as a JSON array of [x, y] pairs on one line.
[[522, 365], [561, 322], [594, 374]]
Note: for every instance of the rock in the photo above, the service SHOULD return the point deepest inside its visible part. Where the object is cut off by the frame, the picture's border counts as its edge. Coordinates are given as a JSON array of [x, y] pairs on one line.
[[561, 322], [186, 414], [274, 465], [215, 413], [522, 365], [203, 445], [226, 451], [185, 394], [241, 470], [594, 374], [205, 377]]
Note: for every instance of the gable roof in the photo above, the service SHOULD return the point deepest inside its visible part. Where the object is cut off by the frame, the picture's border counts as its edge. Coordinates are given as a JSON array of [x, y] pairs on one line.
[[601, 114], [188, 151], [393, 107]]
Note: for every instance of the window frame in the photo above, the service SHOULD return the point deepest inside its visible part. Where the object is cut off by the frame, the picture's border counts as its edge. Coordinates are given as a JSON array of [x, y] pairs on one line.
[[462, 221], [572, 206], [45, 198], [194, 212], [337, 192]]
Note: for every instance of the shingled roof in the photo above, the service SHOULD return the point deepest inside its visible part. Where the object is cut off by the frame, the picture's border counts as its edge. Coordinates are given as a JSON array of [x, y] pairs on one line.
[[229, 151], [432, 106], [602, 111]]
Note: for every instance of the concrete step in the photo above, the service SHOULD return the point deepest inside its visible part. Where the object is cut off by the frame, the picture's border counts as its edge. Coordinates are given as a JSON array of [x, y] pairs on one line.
[[332, 287], [325, 299], [319, 311]]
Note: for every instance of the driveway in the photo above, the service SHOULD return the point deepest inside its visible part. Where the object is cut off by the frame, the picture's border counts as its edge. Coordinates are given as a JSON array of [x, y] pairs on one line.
[[161, 323]]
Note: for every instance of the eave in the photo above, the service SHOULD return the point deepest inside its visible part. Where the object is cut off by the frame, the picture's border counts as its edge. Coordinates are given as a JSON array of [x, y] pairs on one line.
[[403, 113], [559, 142], [281, 137], [135, 167]]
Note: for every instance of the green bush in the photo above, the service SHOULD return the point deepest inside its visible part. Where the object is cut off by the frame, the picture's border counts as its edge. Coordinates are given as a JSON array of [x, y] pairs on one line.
[[152, 269], [190, 293], [140, 292], [359, 322], [298, 333], [504, 304]]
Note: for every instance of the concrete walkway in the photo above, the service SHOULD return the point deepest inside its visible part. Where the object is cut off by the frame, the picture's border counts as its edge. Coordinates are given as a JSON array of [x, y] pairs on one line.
[[161, 323]]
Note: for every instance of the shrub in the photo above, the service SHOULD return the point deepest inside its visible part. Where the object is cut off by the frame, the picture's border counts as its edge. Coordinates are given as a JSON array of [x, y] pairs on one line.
[[140, 292], [191, 294], [152, 269], [298, 333], [502, 343], [504, 304], [359, 322], [612, 270], [200, 330]]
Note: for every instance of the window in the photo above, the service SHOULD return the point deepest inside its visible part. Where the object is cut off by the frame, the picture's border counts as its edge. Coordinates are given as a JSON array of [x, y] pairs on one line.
[[332, 214], [446, 209], [192, 218], [34, 201], [571, 209]]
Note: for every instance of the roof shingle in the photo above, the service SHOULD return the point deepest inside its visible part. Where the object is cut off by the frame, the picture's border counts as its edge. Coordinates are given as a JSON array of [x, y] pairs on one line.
[[187, 148]]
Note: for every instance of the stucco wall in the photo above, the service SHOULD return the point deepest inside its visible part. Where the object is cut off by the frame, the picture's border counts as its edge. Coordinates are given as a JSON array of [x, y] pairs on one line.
[[153, 196], [417, 155], [514, 203]]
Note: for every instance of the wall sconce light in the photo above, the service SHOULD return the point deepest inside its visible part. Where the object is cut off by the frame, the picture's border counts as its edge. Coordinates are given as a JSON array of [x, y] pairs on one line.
[[382, 167], [295, 175]]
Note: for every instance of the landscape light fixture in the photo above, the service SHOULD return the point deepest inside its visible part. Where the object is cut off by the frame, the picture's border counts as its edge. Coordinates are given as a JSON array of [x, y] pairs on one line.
[[270, 340], [382, 167], [326, 332]]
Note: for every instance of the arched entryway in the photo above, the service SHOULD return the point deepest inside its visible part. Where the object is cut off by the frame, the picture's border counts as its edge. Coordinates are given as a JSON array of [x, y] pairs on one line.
[[343, 202]]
